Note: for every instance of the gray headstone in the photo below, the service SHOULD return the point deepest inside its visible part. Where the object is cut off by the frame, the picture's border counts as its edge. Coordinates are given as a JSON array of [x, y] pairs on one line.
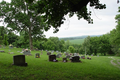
[[19, 60], [11, 47], [58, 55], [2, 51], [75, 54], [82, 57], [27, 53], [68, 56]]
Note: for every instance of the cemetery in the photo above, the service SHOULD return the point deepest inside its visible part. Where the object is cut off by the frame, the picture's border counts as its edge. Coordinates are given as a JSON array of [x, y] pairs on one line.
[[90, 67]]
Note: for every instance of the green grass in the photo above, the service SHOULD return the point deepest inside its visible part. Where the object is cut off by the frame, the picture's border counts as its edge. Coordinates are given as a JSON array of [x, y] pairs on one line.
[[98, 68], [77, 41]]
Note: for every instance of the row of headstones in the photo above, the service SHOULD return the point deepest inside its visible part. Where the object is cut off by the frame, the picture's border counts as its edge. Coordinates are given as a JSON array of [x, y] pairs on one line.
[[19, 60], [73, 59], [67, 55]]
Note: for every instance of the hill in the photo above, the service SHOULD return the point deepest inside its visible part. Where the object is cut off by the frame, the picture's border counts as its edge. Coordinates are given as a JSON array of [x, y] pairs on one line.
[[76, 41], [78, 37]]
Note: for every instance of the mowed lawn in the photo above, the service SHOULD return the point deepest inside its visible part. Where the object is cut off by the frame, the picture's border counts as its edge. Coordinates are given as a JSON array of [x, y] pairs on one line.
[[98, 68], [77, 41]]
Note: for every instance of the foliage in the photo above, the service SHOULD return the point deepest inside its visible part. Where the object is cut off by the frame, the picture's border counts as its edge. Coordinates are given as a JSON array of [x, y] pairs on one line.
[[5, 41], [20, 17], [54, 11], [71, 49]]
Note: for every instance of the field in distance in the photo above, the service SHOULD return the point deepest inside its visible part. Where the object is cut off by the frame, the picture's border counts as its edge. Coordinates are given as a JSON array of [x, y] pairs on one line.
[[76, 41]]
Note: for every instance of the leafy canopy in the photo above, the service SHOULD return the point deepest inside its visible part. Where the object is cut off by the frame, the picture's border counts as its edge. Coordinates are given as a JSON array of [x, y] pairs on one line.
[[54, 10]]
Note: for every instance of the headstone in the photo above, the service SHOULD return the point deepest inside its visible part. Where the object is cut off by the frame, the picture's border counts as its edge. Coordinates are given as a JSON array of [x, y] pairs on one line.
[[68, 56], [75, 59], [10, 46], [82, 57], [64, 59], [19, 60], [48, 53], [88, 58], [27, 52], [2, 51], [75, 54], [4, 46], [37, 55], [58, 55], [97, 55], [91, 54], [52, 58], [0, 46]]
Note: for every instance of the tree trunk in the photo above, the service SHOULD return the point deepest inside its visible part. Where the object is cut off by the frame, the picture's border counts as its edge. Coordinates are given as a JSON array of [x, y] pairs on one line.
[[30, 39]]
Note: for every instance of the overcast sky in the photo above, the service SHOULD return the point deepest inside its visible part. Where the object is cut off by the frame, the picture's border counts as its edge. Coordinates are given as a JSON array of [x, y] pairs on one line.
[[103, 22]]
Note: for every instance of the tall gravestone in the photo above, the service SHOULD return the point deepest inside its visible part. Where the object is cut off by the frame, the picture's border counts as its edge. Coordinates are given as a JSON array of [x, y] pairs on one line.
[[19, 60], [52, 58]]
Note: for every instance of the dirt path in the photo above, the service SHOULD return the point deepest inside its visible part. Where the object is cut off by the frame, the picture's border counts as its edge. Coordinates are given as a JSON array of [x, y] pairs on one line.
[[118, 62]]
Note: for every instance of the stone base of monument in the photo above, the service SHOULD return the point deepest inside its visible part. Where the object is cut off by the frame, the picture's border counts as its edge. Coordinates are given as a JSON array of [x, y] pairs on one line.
[[75, 59], [19, 60]]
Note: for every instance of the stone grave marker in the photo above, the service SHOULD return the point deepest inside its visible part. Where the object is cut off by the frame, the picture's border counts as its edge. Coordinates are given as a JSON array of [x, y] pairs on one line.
[[68, 56], [19, 60], [75, 59], [88, 58], [75, 54], [91, 54], [82, 57], [11, 46], [64, 59], [26, 52], [52, 58], [97, 55], [2, 51], [37, 55], [48, 53], [58, 55]]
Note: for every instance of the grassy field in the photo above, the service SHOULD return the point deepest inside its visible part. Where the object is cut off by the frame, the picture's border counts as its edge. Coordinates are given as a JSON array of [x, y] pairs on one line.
[[98, 68], [77, 41]]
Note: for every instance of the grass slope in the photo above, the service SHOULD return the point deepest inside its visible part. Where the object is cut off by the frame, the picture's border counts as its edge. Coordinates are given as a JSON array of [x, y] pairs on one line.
[[98, 68], [76, 41]]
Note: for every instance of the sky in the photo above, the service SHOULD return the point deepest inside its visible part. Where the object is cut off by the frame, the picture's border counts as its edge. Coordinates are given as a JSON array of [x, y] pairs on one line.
[[103, 22]]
